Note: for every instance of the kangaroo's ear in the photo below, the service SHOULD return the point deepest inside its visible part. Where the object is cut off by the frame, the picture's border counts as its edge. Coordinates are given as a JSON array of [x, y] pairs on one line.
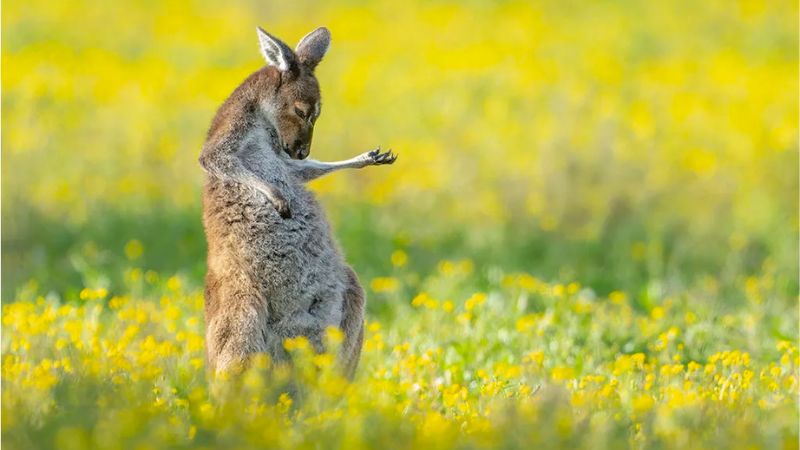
[[275, 51], [313, 46]]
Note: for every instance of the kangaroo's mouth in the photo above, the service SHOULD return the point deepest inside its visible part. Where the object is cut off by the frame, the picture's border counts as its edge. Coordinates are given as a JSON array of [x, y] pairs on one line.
[[300, 152]]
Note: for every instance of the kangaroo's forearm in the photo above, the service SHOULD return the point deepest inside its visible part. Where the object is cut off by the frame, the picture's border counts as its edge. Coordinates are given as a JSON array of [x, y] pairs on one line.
[[229, 167], [309, 169]]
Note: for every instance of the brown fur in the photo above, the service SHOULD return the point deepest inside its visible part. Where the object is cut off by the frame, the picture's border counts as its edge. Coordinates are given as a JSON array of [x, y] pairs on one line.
[[274, 268]]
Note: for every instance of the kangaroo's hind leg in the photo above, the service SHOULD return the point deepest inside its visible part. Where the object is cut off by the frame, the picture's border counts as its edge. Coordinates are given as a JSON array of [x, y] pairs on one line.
[[234, 328], [352, 324]]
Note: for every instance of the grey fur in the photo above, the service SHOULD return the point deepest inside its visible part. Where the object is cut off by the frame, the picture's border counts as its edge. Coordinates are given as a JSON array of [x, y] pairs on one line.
[[274, 268], [313, 47]]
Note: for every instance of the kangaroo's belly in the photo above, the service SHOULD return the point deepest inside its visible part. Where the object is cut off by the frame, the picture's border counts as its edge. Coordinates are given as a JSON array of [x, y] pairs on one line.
[[289, 264]]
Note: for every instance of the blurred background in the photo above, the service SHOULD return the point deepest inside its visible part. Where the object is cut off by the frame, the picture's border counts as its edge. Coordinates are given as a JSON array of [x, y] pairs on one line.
[[639, 146]]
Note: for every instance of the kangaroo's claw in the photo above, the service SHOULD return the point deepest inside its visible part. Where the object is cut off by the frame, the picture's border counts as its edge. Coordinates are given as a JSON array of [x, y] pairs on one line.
[[282, 206], [379, 158]]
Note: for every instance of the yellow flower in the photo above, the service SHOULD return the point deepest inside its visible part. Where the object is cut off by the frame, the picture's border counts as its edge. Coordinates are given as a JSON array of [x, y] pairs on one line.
[[562, 373], [384, 284], [297, 343], [420, 299], [323, 360], [134, 249], [448, 306], [657, 313], [174, 283], [536, 357], [618, 297], [527, 282], [642, 403], [476, 299], [525, 322], [573, 288], [334, 335], [399, 258]]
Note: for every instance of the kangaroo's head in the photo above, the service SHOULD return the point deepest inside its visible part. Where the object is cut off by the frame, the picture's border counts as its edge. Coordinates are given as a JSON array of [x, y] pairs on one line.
[[295, 103]]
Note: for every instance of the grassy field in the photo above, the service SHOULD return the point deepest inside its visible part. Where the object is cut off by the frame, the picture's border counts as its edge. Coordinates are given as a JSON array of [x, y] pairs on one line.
[[589, 239]]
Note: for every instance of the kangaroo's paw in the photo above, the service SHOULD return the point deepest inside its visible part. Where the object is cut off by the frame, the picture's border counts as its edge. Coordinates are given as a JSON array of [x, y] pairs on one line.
[[377, 158], [282, 206]]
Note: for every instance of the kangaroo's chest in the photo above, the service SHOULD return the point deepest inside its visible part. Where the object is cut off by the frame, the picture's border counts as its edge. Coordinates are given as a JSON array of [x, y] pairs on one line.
[[289, 259], [258, 156]]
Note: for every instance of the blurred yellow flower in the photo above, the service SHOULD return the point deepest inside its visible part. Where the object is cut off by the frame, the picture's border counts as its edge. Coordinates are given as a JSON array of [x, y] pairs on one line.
[[399, 258], [384, 284], [134, 249]]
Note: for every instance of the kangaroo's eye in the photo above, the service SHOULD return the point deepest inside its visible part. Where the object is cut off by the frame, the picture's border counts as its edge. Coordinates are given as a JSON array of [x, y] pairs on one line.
[[300, 112]]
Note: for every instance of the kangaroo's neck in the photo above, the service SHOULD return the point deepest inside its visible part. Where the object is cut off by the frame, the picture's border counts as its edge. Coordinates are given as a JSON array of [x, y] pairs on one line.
[[242, 112]]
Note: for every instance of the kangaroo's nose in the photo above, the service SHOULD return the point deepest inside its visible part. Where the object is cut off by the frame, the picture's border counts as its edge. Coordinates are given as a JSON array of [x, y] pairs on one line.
[[302, 152]]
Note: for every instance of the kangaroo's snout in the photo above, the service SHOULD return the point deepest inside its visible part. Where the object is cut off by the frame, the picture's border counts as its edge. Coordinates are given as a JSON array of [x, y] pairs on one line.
[[298, 149], [303, 152]]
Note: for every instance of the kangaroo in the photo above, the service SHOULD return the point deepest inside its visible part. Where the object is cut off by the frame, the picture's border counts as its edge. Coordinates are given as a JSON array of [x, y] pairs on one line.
[[274, 268]]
